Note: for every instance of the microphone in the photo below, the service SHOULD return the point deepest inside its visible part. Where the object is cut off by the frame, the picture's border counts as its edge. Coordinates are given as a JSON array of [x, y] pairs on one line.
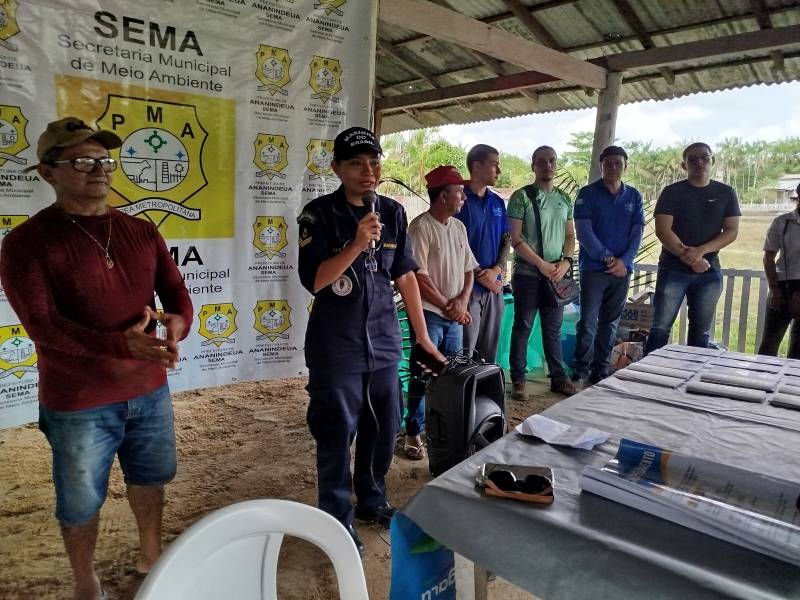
[[370, 200]]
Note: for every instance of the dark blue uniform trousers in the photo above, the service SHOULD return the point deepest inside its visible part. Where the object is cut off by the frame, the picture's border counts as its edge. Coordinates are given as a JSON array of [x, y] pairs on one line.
[[338, 412]]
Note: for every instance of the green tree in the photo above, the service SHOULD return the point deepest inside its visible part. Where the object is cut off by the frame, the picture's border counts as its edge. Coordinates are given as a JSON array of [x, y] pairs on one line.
[[578, 160]]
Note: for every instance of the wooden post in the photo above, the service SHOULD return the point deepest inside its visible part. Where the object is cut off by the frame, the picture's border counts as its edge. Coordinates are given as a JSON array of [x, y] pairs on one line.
[[377, 120], [606, 122]]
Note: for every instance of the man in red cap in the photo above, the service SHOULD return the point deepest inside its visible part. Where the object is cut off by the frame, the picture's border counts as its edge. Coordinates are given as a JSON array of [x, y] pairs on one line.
[[445, 276]]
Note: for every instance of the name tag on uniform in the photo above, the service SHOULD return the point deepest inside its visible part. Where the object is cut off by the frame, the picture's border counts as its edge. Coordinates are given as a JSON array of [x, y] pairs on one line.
[[390, 245]]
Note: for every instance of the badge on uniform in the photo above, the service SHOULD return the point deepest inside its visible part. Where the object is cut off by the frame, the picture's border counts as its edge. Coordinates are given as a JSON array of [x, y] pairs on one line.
[[342, 286]]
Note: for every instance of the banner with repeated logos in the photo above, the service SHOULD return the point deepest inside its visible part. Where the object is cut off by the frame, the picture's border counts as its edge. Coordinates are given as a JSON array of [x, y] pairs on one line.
[[227, 110]]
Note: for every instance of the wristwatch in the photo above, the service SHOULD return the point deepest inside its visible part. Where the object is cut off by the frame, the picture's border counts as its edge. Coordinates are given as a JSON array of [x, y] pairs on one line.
[[569, 259]]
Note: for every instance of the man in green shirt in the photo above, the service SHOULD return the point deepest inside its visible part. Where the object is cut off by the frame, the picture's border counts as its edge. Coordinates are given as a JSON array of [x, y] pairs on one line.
[[537, 259]]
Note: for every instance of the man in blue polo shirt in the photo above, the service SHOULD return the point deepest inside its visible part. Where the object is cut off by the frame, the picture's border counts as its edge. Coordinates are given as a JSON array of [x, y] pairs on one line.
[[609, 220], [484, 215]]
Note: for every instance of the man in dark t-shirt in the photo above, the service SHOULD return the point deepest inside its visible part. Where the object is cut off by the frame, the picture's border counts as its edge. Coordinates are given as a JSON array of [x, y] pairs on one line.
[[695, 218]]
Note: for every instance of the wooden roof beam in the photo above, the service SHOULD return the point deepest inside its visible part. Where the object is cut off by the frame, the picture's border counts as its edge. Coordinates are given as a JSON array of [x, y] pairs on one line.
[[454, 93], [766, 39], [761, 11], [560, 90], [426, 17], [389, 50], [625, 38], [532, 24], [635, 23]]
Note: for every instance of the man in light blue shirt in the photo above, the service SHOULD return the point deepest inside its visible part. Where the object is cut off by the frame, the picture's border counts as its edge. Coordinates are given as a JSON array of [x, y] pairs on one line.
[[609, 220]]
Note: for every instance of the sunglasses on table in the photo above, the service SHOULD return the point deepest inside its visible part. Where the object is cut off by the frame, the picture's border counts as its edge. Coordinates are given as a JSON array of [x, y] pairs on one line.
[[517, 482]]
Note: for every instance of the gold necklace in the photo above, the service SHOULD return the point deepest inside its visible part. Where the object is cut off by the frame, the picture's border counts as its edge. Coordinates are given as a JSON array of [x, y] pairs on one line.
[[109, 260]]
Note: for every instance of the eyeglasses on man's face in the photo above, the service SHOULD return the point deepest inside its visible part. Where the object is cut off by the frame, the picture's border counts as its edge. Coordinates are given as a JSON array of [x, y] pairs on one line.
[[85, 164], [700, 158]]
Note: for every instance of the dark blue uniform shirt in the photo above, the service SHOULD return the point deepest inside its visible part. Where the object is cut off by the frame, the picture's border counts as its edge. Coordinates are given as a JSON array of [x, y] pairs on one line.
[[615, 225], [353, 326]]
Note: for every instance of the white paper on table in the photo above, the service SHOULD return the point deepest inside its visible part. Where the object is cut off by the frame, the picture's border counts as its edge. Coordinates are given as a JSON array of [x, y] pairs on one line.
[[561, 434]]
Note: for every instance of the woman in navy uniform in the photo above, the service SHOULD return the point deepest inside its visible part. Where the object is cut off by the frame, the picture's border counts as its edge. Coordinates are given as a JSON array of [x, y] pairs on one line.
[[352, 344]]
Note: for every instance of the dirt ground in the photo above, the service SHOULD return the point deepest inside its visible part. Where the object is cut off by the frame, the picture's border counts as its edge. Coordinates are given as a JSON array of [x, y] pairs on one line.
[[235, 443]]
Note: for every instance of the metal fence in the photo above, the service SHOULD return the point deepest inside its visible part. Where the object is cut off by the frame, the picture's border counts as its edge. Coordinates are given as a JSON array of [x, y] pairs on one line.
[[738, 308]]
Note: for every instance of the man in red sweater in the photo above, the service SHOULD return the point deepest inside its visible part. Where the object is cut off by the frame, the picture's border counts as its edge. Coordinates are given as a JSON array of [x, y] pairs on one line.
[[82, 278]]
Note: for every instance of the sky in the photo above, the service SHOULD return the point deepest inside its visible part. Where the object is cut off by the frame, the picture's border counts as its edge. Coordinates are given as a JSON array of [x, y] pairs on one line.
[[756, 113]]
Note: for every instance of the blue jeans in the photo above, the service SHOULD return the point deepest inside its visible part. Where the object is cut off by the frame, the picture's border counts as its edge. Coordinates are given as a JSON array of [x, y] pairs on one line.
[[139, 431], [701, 291], [602, 301], [447, 336], [530, 296]]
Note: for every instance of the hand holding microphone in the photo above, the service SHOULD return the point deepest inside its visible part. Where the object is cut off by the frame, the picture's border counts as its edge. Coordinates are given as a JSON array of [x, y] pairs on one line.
[[372, 223], [369, 228]]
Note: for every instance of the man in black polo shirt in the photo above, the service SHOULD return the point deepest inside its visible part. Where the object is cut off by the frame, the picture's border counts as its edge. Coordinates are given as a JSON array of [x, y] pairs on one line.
[[695, 219]]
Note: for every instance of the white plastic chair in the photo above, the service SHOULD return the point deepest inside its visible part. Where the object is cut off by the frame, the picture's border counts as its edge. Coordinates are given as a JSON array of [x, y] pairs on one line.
[[232, 553]]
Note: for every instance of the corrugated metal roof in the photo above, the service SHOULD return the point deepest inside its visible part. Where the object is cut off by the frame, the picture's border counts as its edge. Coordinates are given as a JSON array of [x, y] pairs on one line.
[[587, 29]]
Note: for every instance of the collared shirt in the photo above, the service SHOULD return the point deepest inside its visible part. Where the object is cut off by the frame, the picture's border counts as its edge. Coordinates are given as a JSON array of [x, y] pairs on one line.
[[486, 222], [608, 225], [783, 237], [555, 209], [442, 253], [353, 326]]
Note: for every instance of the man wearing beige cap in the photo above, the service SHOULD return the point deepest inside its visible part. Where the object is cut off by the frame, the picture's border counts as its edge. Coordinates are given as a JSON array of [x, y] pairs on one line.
[[82, 278], [445, 277]]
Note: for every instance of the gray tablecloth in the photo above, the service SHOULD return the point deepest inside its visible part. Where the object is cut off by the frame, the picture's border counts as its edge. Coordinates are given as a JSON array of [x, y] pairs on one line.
[[584, 546]]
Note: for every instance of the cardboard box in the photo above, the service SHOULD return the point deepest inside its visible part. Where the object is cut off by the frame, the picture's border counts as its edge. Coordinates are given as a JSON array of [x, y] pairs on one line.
[[639, 310]]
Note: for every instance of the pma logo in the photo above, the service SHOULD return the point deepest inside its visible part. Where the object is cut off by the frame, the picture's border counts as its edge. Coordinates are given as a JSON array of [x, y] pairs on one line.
[[161, 156], [8, 222], [272, 319], [271, 155], [17, 352], [8, 23], [325, 79], [269, 237], [272, 69], [331, 6], [12, 132], [217, 323], [320, 154]]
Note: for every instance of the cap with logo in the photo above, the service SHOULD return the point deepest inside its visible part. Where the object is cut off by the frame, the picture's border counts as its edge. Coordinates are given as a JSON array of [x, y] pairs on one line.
[[70, 131], [613, 151], [354, 141], [442, 176]]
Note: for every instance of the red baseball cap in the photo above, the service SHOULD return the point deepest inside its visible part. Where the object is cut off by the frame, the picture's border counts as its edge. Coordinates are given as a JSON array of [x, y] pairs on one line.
[[444, 175]]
